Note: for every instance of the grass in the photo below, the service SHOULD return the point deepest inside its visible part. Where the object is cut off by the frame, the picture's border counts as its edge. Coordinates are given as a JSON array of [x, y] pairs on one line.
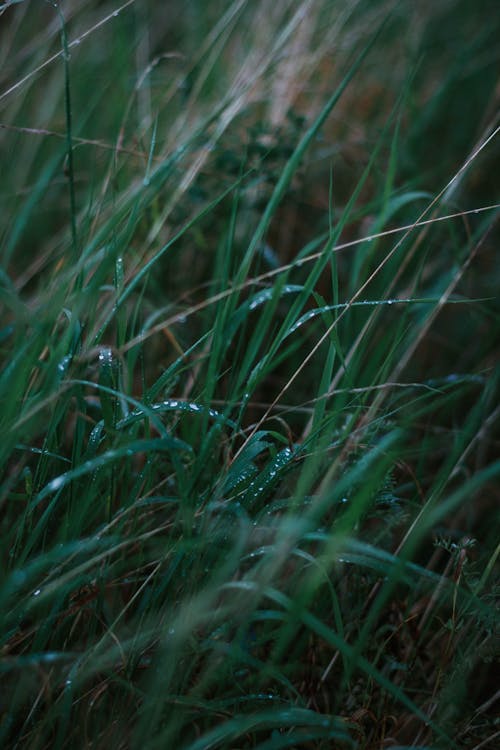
[[249, 385]]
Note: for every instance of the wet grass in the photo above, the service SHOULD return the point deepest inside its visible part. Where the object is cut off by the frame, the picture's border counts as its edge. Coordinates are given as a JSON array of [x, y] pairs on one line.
[[249, 384]]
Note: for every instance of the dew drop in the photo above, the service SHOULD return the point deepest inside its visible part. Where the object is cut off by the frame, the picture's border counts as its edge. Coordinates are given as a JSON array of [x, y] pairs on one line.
[[56, 483], [64, 364], [106, 355]]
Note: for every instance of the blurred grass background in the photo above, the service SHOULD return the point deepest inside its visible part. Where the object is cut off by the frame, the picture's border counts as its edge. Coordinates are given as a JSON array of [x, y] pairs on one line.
[[249, 387]]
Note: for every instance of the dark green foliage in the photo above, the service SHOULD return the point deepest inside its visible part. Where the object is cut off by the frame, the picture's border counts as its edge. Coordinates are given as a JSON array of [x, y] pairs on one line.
[[249, 391]]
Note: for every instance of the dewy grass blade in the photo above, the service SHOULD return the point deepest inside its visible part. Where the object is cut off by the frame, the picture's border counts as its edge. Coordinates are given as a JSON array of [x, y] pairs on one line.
[[164, 444]]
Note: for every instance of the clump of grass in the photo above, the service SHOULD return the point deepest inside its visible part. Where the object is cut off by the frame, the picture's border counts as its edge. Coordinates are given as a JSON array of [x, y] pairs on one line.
[[249, 395]]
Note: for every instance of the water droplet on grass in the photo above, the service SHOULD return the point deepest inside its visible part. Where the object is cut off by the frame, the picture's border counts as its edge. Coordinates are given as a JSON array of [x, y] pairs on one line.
[[106, 355], [64, 364], [56, 483]]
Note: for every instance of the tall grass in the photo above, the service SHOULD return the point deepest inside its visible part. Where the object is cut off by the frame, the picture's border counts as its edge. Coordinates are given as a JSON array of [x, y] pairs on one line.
[[249, 390]]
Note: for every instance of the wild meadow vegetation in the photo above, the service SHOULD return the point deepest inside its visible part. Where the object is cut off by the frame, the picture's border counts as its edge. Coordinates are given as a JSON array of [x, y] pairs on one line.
[[249, 384]]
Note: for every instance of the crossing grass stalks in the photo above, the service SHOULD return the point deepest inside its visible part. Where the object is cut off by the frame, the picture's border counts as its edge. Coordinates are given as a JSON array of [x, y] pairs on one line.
[[249, 389]]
